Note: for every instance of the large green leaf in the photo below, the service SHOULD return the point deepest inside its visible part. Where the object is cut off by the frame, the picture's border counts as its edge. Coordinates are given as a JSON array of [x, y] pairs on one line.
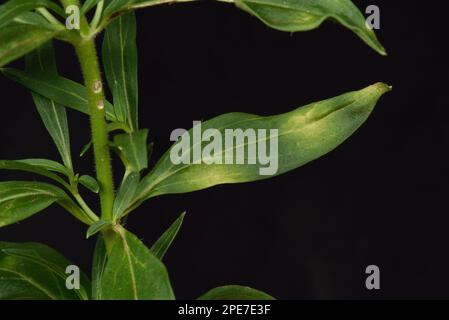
[[303, 15], [21, 199], [120, 63], [132, 149], [14, 8], [235, 293], [42, 61], [133, 273], [302, 135], [35, 271], [16, 40], [160, 247], [61, 90]]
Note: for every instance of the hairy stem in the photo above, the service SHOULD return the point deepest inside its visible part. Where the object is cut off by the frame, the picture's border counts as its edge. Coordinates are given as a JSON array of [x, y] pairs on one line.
[[87, 55]]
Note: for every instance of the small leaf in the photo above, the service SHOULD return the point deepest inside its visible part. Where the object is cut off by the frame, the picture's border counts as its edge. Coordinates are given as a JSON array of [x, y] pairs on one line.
[[42, 61], [49, 165], [97, 227], [235, 293], [120, 63], [90, 183], [21, 199], [126, 193], [32, 167], [133, 272], [19, 39], [61, 90], [300, 136], [160, 247], [304, 15], [32, 271], [132, 149], [14, 8], [98, 266]]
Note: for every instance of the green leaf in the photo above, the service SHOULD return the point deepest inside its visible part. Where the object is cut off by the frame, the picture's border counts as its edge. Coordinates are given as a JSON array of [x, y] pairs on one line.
[[32, 271], [97, 227], [14, 8], [160, 247], [42, 61], [126, 193], [120, 63], [98, 266], [132, 149], [17, 40], [31, 18], [133, 272], [20, 199], [302, 135], [89, 4], [235, 293], [32, 167], [90, 183], [304, 15], [61, 90], [48, 165]]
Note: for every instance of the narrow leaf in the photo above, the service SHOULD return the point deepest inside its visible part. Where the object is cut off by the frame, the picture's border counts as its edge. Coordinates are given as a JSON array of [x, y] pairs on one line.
[[235, 293], [61, 90], [19, 39], [160, 247], [32, 271], [14, 8], [298, 137], [32, 167], [132, 149], [126, 193], [42, 61], [120, 63], [90, 183], [133, 273], [49, 165], [304, 15], [21, 199]]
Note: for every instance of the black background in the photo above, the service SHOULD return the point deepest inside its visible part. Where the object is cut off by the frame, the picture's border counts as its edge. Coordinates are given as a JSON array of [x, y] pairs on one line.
[[378, 199]]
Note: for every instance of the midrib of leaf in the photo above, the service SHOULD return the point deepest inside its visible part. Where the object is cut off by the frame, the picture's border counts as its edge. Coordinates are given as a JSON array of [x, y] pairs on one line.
[[30, 281]]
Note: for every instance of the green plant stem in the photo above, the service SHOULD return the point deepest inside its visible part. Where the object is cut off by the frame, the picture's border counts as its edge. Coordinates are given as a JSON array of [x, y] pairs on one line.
[[87, 56], [85, 207]]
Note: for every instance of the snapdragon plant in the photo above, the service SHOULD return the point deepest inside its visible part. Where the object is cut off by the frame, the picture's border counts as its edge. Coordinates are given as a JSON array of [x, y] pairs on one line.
[[123, 267]]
